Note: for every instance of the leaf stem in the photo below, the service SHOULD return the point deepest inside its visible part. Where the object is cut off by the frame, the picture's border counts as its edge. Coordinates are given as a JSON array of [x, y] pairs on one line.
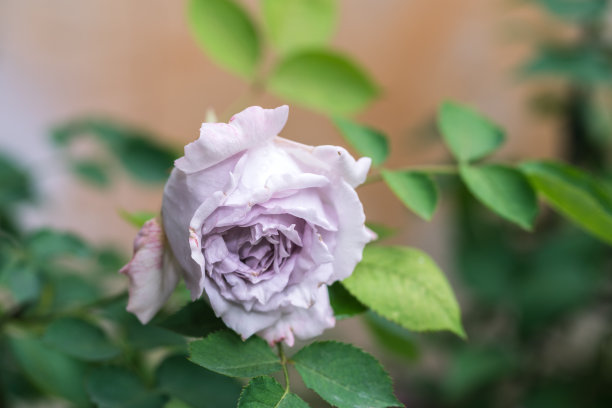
[[281, 354]]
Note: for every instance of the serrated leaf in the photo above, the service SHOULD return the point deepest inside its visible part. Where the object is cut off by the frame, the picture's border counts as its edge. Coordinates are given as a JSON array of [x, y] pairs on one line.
[[367, 141], [504, 190], [195, 385], [324, 81], [405, 286], [343, 303], [196, 319], [137, 218], [575, 194], [469, 135], [295, 24], [51, 371], [226, 353], [416, 190], [345, 376], [79, 339], [114, 387], [224, 30], [266, 392]]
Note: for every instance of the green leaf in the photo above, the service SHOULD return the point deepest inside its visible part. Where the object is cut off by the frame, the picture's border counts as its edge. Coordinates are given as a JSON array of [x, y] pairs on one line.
[[22, 280], [195, 385], [72, 290], [343, 303], [92, 172], [416, 190], [468, 134], [580, 64], [226, 33], [139, 153], [367, 141], [405, 286], [324, 81], [15, 182], [114, 387], [575, 194], [472, 368], [51, 371], [266, 392], [504, 190], [225, 353], [137, 218], [80, 339], [150, 336], [196, 319], [392, 337], [47, 244], [382, 231], [295, 24], [576, 10], [345, 376]]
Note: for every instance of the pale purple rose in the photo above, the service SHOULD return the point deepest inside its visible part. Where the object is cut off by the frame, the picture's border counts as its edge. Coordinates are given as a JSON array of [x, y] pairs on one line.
[[262, 225]]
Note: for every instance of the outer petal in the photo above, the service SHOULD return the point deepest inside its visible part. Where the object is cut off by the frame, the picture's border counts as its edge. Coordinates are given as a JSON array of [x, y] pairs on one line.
[[302, 323], [218, 141], [152, 272]]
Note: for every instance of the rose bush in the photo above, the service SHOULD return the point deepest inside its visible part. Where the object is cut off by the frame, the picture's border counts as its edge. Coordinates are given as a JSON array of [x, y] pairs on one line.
[[258, 223]]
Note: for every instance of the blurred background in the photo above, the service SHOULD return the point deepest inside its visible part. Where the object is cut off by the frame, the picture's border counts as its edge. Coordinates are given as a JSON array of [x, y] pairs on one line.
[[536, 307]]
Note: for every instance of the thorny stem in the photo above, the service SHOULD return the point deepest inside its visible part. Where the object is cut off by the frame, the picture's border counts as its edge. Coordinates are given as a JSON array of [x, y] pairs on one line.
[[433, 169], [283, 359]]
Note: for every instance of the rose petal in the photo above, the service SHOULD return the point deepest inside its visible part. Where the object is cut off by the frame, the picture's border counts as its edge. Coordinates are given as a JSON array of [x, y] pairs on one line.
[[218, 141], [152, 272]]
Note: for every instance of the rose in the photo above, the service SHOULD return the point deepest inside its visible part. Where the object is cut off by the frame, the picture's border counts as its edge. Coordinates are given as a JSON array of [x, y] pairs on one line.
[[260, 224]]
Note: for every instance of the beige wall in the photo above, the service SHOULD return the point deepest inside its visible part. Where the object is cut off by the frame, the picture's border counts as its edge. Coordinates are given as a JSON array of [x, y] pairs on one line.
[[137, 61]]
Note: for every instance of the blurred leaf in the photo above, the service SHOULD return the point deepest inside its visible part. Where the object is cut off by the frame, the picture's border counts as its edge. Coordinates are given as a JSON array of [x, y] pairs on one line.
[[294, 24], [148, 336], [472, 368], [416, 190], [382, 231], [111, 259], [196, 319], [51, 371], [345, 376], [47, 244], [79, 339], [405, 286], [195, 385], [392, 336], [579, 64], [22, 280], [226, 353], [557, 396], [575, 194], [343, 303], [577, 10], [323, 80], [367, 141], [114, 387], [504, 190], [92, 172], [72, 290], [598, 116], [144, 158], [15, 182], [469, 135], [266, 392], [137, 218], [176, 403], [226, 33]]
